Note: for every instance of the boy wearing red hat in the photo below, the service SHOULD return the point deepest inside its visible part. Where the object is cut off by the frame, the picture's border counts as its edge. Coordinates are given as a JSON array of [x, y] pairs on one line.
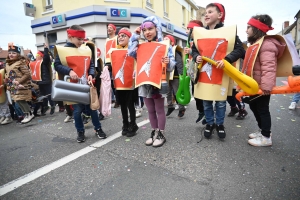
[[214, 18]]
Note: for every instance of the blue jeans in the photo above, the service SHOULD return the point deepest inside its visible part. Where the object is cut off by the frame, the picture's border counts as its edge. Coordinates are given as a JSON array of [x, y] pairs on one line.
[[296, 97], [209, 112], [18, 110], [78, 108]]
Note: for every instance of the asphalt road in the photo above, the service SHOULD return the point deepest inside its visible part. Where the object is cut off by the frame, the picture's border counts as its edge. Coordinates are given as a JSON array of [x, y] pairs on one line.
[[125, 168]]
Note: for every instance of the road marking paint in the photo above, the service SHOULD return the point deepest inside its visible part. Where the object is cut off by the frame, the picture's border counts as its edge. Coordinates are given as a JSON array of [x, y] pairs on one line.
[[8, 187]]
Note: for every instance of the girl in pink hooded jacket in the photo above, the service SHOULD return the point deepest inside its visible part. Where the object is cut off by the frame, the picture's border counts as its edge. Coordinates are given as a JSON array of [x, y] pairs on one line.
[[264, 72]]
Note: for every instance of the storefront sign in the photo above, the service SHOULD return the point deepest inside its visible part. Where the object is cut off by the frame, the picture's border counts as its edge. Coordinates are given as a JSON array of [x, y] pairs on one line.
[[118, 14], [58, 20], [29, 9], [169, 27]]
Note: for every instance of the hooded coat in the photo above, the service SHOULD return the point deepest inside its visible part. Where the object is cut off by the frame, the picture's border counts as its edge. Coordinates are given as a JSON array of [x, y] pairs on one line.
[[18, 71], [265, 66]]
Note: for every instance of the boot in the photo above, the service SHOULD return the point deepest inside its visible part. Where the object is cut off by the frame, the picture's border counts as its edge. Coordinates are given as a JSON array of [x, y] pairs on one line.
[[170, 110], [153, 136], [160, 139], [124, 129], [52, 110], [80, 137], [233, 111], [133, 127]]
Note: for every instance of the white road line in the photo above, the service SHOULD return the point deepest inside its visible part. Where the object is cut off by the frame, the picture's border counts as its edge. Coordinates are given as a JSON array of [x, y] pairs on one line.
[[52, 166]]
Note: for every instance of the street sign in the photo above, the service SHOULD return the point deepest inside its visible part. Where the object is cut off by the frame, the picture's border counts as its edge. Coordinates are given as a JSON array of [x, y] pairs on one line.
[[118, 14], [29, 9], [58, 20]]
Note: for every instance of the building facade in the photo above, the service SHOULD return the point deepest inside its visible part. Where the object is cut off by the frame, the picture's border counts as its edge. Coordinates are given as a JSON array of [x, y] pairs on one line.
[[55, 16]]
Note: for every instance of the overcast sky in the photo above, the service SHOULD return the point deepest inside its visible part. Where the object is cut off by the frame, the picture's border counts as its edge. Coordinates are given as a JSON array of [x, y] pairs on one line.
[[15, 26]]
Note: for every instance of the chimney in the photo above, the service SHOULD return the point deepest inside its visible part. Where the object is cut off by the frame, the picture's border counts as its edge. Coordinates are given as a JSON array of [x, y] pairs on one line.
[[286, 24]]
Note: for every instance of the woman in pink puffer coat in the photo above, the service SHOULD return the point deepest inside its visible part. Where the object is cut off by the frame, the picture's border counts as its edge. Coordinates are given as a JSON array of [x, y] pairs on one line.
[[264, 72]]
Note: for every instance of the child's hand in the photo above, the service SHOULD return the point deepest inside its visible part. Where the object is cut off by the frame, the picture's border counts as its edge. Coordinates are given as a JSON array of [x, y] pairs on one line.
[[165, 60], [187, 50], [138, 30], [198, 59], [90, 78], [266, 92], [73, 75], [220, 64], [16, 82]]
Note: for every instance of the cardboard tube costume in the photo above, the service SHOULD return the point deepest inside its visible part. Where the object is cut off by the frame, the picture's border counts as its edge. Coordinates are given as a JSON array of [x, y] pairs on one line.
[[284, 63], [149, 65], [109, 43], [174, 49], [35, 68], [78, 59], [122, 69], [213, 83]]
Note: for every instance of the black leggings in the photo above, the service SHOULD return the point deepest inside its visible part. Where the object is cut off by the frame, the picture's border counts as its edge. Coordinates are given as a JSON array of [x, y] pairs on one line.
[[260, 109], [126, 101]]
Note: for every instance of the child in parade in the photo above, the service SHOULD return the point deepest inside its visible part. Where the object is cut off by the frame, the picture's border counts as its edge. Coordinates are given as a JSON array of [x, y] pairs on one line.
[[18, 80], [126, 96], [188, 50], [214, 18], [174, 84], [46, 78], [154, 101], [76, 35], [264, 72]]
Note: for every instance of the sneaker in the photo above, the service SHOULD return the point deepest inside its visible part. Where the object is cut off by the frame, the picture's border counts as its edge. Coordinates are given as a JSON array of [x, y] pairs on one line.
[[100, 134], [133, 127], [255, 134], [68, 119], [260, 141], [28, 118], [221, 131], [160, 140], [152, 138], [45, 109], [138, 113], [80, 137], [7, 120], [293, 106], [2, 119], [233, 111], [85, 119], [52, 110], [208, 130], [124, 129], [242, 114], [181, 113], [170, 110], [200, 117], [101, 117]]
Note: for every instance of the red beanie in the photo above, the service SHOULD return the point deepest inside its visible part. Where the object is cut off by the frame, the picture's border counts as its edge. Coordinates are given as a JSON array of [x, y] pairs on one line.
[[171, 38]]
